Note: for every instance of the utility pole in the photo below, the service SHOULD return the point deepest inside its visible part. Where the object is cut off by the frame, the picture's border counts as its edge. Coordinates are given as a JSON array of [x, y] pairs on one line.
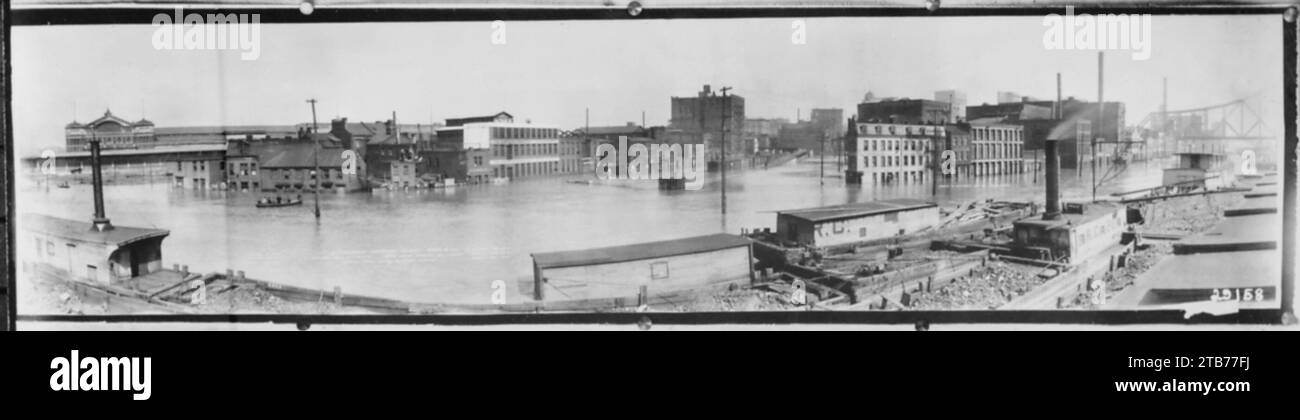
[[935, 170], [821, 163], [1101, 118], [726, 114], [586, 136], [315, 152]]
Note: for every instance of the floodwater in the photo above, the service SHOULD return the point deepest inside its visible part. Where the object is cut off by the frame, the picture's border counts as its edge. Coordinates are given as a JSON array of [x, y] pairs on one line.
[[449, 245]]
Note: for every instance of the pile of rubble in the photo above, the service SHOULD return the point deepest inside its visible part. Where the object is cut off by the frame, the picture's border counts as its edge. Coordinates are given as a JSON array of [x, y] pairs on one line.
[[1188, 214], [738, 301], [247, 299], [988, 287]]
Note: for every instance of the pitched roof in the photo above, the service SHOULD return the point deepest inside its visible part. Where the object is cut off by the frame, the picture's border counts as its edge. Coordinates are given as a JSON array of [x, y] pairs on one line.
[[853, 210], [641, 251]]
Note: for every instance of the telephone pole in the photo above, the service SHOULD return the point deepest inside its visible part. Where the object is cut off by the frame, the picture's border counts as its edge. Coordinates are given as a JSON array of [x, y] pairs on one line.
[[821, 163], [1101, 122], [726, 114], [315, 152]]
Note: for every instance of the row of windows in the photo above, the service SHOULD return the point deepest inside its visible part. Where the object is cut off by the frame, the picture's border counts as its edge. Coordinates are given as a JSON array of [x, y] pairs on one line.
[[993, 134], [895, 144], [524, 133], [888, 161], [907, 130], [997, 151], [521, 170], [245, 168], [309, 173], [509, 151]]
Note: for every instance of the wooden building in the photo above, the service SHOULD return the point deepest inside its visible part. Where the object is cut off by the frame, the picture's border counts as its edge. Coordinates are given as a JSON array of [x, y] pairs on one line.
[[84, 253], [717, 260], [855, 222]]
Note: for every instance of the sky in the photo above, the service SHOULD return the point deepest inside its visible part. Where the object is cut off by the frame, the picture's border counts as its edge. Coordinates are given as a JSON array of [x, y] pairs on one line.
[[550, 72]]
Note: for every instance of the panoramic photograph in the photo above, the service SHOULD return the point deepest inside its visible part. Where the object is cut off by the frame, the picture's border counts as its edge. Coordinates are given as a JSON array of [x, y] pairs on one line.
[[228, 164]]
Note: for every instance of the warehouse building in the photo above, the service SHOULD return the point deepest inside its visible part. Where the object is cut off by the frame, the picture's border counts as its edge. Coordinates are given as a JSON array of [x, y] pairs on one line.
[[717, 260], [855, 222]]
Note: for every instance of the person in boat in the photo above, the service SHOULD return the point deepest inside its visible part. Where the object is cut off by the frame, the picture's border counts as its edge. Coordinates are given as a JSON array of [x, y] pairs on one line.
[[278, 200], [299, 197]]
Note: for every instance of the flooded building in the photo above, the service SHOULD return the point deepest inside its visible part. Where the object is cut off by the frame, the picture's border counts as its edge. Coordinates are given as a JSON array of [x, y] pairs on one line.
[[855, 222], [704, 116], [996, 148], [882, 153], [718, 260], [241, 166], [509, 150], [293, 168]]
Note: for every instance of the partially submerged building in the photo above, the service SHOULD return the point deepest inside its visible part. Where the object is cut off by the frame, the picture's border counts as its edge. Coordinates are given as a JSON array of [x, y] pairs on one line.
[[717, 260], [855, 222]]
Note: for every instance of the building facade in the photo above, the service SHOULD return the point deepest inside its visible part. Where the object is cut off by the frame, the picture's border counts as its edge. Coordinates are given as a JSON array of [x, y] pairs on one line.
[[501, 148], [200, 174], [112, 132], [892, 153], [996, 149], [704, 117]]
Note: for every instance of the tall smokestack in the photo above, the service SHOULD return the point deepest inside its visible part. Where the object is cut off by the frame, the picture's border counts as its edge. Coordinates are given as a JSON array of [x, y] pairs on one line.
[[1053, 210], [100, 221], [1056, 113]]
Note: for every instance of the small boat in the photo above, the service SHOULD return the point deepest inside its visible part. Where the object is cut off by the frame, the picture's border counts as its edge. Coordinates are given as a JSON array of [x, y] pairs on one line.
[[263, 203], [64, 184]]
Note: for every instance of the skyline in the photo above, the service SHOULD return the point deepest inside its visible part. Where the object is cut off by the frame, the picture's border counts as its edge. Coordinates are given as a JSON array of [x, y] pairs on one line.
[[550, 72]]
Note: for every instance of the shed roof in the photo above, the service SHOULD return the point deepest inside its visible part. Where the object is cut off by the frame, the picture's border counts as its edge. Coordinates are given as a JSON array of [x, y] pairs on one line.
[[854, 210], [641, 251], [84, 231]]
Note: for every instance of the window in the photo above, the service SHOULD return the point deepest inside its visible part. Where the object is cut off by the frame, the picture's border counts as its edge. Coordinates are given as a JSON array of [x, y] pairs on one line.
[[659, 270]]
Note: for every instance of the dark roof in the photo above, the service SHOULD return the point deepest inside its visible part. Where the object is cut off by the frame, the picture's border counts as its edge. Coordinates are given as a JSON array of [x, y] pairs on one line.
[[452, 122], [853, 210], [84, 231], [226, 130], [611, 130], [641, 251], [300, 156]]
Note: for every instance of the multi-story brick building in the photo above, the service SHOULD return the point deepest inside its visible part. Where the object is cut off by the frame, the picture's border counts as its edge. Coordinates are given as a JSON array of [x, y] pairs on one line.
[[702, 118], [881, 153]]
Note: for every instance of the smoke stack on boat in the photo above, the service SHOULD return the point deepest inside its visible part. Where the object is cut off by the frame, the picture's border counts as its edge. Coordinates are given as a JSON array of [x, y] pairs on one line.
[[100, 221]]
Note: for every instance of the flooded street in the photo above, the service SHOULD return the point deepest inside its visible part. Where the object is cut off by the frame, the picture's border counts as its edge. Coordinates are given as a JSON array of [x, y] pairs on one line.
[[450, 245]]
